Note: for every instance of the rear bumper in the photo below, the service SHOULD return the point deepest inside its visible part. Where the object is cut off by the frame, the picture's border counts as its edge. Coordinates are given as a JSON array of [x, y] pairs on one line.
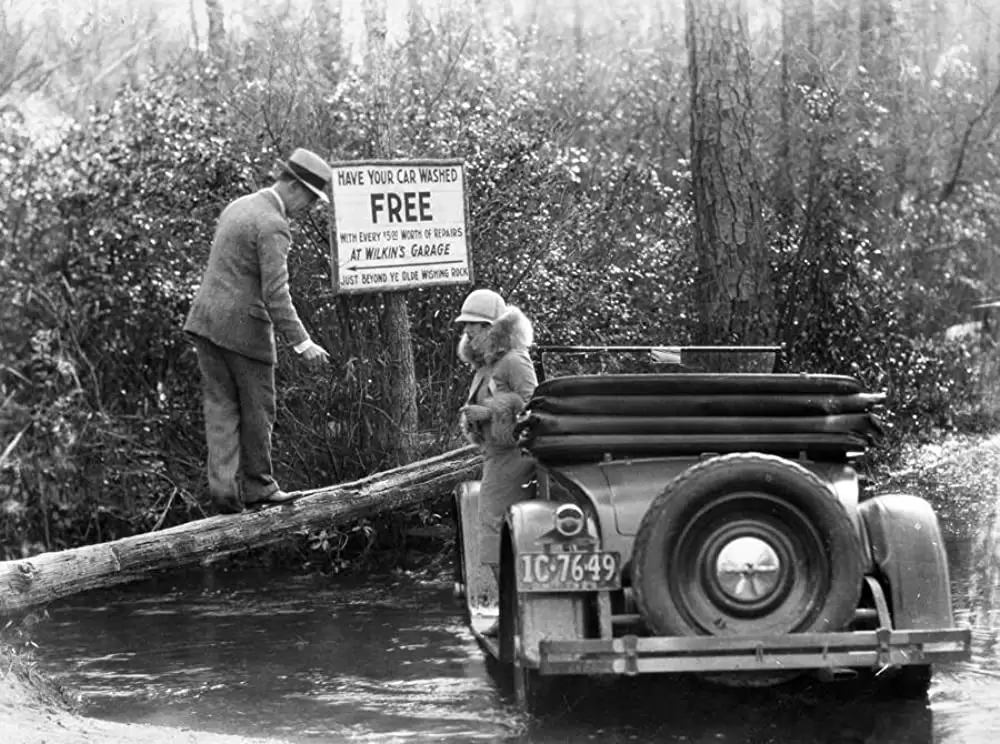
[[876, 649]]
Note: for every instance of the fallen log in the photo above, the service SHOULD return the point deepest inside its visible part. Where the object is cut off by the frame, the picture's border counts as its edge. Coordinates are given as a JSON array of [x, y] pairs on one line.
[[35, 581]]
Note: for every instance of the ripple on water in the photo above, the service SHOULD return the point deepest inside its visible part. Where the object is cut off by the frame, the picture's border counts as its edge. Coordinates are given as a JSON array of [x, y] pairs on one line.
[[430, 709], [310, 662]]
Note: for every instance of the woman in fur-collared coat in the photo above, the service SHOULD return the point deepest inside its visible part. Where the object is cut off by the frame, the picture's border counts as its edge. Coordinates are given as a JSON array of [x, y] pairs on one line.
[[495, 342]]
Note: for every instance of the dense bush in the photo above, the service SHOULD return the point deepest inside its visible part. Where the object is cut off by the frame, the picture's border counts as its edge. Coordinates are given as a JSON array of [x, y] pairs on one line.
[[109, 248]]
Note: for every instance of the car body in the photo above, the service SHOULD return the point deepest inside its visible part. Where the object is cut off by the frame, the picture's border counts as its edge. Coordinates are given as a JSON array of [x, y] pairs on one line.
[[710, 523]]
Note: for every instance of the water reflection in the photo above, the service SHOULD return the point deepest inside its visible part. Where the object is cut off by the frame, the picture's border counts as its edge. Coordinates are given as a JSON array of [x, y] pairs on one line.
[[279, 657], [679, 711]]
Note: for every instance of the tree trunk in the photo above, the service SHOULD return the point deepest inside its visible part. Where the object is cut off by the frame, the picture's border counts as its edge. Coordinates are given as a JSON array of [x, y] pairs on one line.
[[987, 53], [798, 73], [734, 292], [376, 30], [216, 28], [43, 578], [329, 15], [799, 158], [192, 14], [400, 391], [414, 38], [579, 50], [784, 191], [490, 44], [881, 72]]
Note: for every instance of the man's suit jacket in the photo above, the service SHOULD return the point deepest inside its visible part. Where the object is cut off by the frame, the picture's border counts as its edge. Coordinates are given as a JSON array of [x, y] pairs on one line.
[[244, 292]]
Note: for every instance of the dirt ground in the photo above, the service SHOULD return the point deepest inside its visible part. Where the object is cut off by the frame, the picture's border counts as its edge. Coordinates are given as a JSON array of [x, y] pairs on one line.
[[33, 710]]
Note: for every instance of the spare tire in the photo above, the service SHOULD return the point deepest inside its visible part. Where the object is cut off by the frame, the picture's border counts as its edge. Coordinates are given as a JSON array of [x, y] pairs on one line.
[[747, 544]]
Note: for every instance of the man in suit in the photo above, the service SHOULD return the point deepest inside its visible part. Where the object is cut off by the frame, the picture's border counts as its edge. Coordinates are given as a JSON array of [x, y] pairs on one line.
[[243, 295]]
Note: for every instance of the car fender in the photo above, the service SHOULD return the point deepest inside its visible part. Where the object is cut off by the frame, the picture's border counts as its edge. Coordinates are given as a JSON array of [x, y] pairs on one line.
[[466, 496], [908, 551], [542, 616], [468, 571]]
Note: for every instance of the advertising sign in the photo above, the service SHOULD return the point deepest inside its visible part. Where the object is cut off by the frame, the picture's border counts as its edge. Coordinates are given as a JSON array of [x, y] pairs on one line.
[[399, 225]]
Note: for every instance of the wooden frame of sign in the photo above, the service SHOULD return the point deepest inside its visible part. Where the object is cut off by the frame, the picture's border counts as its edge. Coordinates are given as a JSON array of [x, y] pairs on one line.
[[398, 225]]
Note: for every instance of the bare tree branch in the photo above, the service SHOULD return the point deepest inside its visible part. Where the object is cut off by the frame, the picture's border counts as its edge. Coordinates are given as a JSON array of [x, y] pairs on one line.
[[194, 25], [949, 186], [18, 67]]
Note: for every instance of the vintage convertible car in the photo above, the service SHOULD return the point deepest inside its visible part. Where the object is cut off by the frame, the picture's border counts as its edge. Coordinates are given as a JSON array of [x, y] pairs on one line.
[[709, 523]]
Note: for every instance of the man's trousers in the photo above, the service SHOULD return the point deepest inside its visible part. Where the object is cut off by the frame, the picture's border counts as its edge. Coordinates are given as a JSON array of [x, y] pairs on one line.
[[239, 407]]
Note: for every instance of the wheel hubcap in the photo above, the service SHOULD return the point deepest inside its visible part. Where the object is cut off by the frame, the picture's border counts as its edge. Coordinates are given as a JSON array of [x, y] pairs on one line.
[[748, 569]]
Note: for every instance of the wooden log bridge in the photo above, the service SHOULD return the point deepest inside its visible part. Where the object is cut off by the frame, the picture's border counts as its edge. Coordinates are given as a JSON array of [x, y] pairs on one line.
[[35, 581]]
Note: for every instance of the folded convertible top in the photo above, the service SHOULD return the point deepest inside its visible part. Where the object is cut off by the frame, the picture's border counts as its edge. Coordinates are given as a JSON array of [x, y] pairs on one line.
[[591, 417]]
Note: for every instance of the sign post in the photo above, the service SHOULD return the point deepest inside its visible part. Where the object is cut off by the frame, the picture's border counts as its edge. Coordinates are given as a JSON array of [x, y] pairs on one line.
[[399, 225]]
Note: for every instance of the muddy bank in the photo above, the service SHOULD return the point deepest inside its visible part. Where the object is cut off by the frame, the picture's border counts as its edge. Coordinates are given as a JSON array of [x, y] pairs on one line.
[[35, 711]]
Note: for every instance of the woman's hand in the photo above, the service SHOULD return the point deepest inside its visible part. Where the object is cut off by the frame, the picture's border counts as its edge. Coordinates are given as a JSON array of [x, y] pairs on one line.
[[475, 413]]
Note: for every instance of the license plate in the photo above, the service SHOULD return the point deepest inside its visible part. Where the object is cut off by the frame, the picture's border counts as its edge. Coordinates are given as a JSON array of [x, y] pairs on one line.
[[568, 571]]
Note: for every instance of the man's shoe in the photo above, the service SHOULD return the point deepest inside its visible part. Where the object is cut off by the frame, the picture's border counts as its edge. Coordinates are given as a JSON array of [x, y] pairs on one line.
[[227, 506], [272, 499]]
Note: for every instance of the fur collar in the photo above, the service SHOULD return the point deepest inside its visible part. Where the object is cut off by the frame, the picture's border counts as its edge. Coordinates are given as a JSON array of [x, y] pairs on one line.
[[510, 331]]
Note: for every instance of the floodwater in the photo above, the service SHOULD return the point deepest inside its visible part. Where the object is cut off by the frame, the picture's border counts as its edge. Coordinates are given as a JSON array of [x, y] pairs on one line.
[[390, 660]]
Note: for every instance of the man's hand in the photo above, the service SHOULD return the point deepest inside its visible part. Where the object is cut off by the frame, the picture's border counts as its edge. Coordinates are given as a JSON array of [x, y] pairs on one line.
[[314, 354], [476, 414]]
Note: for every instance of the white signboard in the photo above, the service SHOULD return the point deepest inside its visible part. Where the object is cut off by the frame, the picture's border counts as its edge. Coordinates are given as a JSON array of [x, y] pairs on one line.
[[399, 225]]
